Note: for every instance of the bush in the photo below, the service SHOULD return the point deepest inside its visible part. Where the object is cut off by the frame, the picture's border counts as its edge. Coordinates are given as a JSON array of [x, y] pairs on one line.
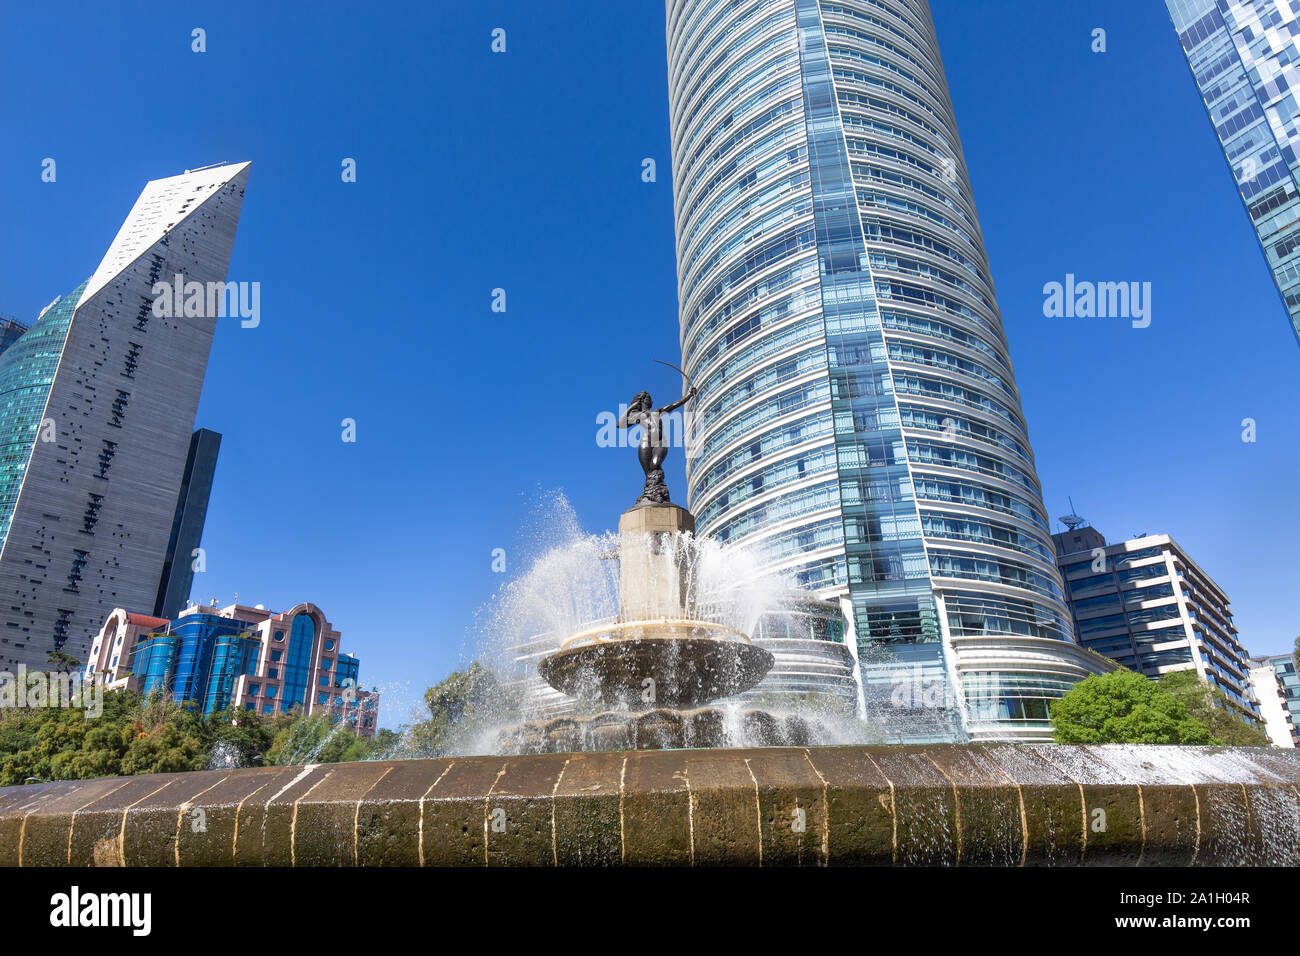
[[1124, 708]]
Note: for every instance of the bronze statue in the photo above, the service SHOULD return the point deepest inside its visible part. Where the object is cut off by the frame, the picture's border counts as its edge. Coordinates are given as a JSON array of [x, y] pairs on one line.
[[653, 449]]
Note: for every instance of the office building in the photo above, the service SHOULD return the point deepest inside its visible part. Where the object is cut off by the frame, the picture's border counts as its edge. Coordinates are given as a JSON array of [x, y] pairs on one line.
[[11, 331], [1270, 695], [858, 424], [1148, 606], [1284, 666], [236, 657], [187, 526], [1245, 60], [95, 426]]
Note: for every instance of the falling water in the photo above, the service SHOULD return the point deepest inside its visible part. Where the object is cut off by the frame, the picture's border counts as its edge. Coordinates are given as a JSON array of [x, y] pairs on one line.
[[573, 583]]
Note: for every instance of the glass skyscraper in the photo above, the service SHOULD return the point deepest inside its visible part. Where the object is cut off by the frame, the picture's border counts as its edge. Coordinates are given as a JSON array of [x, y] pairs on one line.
[[11, 330], [1244, 57], [858, 422]]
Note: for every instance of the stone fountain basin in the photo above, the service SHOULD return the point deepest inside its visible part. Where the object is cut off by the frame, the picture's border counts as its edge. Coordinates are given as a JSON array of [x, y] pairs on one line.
[[671, 664]]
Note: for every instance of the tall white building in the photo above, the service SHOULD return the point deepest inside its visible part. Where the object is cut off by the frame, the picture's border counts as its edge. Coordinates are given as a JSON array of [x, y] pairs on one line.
[[97, 405], [858, 422], [1271, 696]]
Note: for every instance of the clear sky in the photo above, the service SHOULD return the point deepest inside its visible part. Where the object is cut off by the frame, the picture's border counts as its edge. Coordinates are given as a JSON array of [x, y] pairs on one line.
[[522, 171]]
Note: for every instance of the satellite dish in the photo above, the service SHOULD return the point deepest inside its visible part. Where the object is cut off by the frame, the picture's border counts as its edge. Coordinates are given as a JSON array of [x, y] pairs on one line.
[[1073, 520]]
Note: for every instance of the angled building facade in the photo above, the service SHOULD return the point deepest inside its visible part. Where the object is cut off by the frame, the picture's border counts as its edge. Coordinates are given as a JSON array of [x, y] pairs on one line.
[[1245, 60], [858, 422], [97, 405]]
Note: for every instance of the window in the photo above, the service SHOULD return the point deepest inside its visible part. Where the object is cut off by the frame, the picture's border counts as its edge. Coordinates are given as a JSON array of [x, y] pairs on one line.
[[270, 692], [324, 680], [273, 673], [253, 689], [322, 698], [297, 672], [279, 635], [329, 645], [276, 655]]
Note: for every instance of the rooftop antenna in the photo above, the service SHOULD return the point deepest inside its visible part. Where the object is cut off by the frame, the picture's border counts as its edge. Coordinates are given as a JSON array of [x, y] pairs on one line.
[[1073, 520]]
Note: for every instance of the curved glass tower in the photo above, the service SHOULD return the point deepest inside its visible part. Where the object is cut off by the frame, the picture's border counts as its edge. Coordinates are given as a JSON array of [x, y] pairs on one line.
[[858, 420]]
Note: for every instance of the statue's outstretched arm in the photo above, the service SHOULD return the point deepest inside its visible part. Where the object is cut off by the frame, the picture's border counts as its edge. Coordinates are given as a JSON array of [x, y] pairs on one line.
[[691, 393]]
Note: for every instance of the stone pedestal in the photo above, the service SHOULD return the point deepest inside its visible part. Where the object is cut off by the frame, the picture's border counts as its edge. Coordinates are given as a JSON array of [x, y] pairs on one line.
[[653, 579]]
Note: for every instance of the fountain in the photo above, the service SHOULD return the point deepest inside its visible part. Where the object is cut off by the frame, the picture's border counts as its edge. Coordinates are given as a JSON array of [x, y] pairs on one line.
[[657, 675], [659, 664]]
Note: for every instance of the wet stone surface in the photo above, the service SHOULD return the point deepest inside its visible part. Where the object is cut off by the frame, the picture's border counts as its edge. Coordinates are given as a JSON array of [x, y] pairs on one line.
[[943, 805]]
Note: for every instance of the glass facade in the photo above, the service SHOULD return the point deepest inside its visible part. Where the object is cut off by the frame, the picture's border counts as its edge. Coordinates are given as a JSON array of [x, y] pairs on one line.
[[1285, 667], [1149, 608], [1243, 56], [1009, 696], [11, 330], [27, 370], [197, 660], [187, 526], [297, 671], [858, 422]]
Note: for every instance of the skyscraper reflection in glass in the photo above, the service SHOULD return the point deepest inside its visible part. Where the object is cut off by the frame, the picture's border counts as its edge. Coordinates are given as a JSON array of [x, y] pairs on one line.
[[1244, 56]]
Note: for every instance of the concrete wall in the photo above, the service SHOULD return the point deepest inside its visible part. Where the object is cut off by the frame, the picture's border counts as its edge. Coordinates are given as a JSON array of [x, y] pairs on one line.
[[937, 805]]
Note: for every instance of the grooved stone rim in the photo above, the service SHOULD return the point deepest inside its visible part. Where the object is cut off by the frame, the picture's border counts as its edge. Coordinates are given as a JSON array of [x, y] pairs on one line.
[[944, 805]]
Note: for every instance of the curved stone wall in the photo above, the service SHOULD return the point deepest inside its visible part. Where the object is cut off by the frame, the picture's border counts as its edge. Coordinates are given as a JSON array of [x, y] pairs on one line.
[[937, 805]]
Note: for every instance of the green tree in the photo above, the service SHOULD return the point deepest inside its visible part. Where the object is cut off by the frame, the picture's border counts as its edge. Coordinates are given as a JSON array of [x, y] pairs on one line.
[[57, 743], [460, 705], [241, 736], [1211, 707], [63, 663], [155, 734], [1123, 708], [164, 749], [317, 739]]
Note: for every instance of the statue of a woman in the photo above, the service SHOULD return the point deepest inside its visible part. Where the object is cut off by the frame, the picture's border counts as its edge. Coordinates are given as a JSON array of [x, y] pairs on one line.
[[653, 449]]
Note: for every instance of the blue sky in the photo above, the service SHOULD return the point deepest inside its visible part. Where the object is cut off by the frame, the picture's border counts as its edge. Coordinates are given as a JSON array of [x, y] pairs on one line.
[[521, 171]]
